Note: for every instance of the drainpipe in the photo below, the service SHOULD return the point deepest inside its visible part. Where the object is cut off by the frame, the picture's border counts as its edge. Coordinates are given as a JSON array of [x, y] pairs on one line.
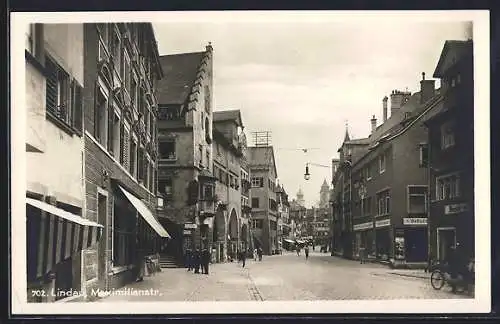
[[428, 205]]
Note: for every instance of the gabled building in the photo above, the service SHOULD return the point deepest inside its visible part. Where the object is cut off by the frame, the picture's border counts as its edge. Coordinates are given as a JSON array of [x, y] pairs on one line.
[[263, 175], [449, 153], [284, 223], [121, 71], [230, 222], [186, 183]]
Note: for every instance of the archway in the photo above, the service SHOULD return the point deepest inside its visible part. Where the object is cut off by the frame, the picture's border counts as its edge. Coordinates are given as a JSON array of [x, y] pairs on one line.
[[233, 234], [218, 231]]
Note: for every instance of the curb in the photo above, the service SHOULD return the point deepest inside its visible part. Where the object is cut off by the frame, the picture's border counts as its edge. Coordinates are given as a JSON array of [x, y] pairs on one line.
[[409, 275]]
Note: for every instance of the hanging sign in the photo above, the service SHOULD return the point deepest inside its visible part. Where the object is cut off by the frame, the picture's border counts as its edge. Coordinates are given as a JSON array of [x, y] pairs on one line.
[[383, 223], [190, 226], [363, 226]]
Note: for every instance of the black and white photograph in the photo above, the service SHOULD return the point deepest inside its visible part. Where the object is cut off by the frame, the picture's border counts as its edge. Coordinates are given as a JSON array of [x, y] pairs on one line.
[[250, 162]]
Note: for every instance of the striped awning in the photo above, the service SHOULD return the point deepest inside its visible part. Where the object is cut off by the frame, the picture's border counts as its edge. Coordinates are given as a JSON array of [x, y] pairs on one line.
[[145, 213], [54, 235]]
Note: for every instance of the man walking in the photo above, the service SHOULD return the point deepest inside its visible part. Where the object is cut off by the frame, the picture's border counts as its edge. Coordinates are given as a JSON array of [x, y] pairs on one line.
[[243, 258], [197, 260], [259, 253], [362, 252], [189, 259], [205, 260], [306, 251]]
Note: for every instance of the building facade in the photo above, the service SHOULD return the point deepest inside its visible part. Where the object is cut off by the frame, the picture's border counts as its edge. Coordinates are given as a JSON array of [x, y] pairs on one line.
[[55, 198], [284, 222], [230, 222], [185, 180], [264, 205], [449, 154], [121, 71]]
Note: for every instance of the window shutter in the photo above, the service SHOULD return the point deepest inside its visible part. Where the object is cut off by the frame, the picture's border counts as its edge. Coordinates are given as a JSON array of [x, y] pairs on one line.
[[77, 108], [51, 89]]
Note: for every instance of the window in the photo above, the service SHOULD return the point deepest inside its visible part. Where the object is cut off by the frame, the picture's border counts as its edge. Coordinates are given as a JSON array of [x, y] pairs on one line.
[[123, 236], [140, 165], [381, 163], [255, 203], [116, 51], [63, 96], [114, 135], [101, 117], [208, 192], [133, 91], [448, 187], [126, 71], [133, 157], [423, 155], [447, 135], [33, 40], [367, 206], [458, 78], [417, 199], [383, 203], [167, 150], [257, 182], [165, 188], [368, 172], [258, 223]]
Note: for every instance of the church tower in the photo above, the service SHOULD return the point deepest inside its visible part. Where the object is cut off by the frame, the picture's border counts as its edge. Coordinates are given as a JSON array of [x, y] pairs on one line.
[[300, 198], [324, 195]]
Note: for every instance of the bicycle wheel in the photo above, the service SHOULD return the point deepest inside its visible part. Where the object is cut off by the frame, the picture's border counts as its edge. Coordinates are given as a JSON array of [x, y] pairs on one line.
[[437, 279]]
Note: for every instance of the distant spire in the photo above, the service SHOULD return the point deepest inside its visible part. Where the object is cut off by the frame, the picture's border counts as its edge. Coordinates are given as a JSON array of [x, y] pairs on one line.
[[347, 137]]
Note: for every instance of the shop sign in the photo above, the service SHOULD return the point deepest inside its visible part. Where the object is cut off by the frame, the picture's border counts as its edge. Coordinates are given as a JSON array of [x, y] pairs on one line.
[[186, 232], [415, 221], [383, 223], [190, 226], [363, 226], [455, 208]]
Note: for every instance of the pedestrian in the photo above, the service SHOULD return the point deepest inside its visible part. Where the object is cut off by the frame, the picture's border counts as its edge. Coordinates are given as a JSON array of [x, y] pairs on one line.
[[197, 260], [362, 252], [306, 251], [189, 259], [205, 261], [243, 258], [255, 254], [259, 253], [298, 250]]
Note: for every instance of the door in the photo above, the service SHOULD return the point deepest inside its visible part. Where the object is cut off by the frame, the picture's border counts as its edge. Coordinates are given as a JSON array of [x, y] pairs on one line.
[[446, 238], [416, 244]]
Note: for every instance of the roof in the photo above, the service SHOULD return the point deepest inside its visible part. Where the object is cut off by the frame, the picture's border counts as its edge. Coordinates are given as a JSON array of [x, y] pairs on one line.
[[261, 155], [228, 115], [460, 47], [180, 71]]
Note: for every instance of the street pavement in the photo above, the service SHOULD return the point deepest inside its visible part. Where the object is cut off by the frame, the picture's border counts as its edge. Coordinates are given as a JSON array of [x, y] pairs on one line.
[[287, 277]]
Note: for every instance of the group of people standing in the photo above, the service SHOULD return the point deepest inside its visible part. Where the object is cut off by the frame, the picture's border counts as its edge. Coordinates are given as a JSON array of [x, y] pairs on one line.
[[198, 259]]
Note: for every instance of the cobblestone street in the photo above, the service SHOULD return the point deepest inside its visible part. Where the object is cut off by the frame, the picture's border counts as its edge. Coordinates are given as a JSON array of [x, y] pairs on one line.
[[287, 277]]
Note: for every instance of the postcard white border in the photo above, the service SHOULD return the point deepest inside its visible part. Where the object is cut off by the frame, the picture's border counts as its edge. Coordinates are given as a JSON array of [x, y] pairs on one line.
[[482, 301]]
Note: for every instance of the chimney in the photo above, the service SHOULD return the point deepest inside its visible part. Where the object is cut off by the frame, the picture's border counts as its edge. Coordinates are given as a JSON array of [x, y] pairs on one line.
[[374, 123], [427, 89], [384, 107], [398, 100]]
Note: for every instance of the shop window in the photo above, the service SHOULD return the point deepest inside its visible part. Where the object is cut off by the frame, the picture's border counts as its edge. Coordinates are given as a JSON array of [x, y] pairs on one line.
[[167, 150], [448, 187], [447, 135], [255, 203], [124, 222], [417, 199]]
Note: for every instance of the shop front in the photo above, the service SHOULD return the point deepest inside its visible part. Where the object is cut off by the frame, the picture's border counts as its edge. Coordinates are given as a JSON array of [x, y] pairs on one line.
[[383, 239], [415, 243], [363, 238]]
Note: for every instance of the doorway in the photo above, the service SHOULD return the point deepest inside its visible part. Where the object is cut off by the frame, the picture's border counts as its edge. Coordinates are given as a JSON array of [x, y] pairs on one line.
[[446, 238], [416, 244]]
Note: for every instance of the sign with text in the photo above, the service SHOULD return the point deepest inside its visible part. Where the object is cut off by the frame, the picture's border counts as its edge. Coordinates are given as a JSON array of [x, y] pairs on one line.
[[383, 223], [187, 232], [455, 208], [190, 226], [363, 226], [415, 221]]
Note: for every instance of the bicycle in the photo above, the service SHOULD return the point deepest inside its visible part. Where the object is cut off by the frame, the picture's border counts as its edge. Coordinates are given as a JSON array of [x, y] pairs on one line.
[[441, 276]]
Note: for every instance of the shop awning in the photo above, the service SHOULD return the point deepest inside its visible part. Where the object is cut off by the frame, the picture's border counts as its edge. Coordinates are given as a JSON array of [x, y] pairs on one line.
[[55, 235], [145, 213]]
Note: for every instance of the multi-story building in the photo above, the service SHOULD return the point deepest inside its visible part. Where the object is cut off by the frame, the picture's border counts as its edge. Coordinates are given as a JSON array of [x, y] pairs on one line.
[[450, 153], [246, 196], [227, 169], [185, 180], [121, 71], [320, 227], [55, 197], [386, 186], [284, 224], [265, 215], [297, 215]]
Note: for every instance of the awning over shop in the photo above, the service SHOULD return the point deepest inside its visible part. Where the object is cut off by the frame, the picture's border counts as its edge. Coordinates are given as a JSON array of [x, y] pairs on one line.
[[54, 235], [145, 213]]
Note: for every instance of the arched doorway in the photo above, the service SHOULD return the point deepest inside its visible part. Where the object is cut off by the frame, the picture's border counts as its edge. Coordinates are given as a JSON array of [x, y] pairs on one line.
[[218, 230], [233, 234]]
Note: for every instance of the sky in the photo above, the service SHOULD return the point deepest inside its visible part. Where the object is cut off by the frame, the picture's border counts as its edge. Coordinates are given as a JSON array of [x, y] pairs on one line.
[[304, 79]]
